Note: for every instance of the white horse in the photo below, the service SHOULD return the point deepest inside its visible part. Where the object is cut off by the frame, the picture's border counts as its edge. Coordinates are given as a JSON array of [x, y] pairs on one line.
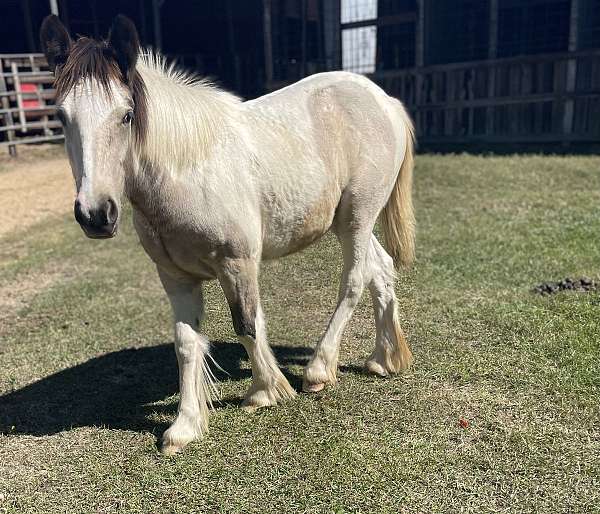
[[217, 185]]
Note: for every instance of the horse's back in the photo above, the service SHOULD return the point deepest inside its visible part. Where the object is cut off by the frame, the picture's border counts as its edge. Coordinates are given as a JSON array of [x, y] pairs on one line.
[[316, 82], [359, 105], [343, 112]]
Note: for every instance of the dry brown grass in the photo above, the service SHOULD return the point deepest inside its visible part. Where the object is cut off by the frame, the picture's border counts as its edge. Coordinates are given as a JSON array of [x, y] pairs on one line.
[[36, 185]]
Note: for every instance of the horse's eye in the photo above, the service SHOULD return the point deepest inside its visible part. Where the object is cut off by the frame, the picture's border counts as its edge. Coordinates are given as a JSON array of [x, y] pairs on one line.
[[128, 118]]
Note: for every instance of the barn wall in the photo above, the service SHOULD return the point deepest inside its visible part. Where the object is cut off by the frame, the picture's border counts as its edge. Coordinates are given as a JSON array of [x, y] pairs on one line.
[[538, 81], [469, 70]]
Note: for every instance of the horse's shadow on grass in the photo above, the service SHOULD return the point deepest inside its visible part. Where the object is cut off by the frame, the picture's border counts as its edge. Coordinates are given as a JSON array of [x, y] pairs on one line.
[[118, 390]]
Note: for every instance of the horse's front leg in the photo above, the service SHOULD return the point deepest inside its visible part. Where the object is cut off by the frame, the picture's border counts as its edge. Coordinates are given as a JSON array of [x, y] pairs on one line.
[[239, 280], [191, 349]]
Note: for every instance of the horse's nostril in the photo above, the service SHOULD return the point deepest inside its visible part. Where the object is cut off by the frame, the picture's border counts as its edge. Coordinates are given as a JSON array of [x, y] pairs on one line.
[[102, 218], [112, 212], [98, 222], [78, 211]]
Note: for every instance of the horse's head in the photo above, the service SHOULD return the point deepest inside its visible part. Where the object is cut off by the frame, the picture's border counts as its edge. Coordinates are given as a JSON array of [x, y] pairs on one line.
[[101, 104]]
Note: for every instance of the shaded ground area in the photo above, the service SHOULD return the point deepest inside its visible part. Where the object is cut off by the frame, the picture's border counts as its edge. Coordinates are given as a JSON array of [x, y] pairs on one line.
[[500, 412], [113, 390]]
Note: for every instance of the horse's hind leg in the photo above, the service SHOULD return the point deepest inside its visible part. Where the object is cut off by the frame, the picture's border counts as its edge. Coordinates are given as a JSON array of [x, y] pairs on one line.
[[239, 280], [322, 367], [391, 353]]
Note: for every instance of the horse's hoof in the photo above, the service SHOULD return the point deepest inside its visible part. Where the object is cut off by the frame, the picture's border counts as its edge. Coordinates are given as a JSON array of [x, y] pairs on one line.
[[313, 388], [317, 375], [257, 400], [181, 433], [262, 395], [372, 366], [169, 450]]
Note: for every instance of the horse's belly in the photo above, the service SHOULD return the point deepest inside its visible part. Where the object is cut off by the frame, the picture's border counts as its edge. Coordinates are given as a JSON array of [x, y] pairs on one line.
[[288, 234]]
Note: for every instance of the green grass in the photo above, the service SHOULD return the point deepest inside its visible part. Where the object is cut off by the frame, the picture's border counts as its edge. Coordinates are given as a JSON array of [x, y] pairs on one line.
[[88, 377]]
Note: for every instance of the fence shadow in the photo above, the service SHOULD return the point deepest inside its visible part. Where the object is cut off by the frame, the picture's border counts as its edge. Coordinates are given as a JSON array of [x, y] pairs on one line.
[[117, 390]]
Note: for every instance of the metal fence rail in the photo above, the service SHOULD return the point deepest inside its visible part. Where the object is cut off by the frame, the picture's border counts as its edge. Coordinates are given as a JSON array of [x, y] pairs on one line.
[[27, 111]]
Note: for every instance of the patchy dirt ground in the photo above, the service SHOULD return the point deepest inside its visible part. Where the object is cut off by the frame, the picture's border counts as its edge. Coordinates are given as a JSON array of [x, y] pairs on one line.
[[35, 185], [583, 284]]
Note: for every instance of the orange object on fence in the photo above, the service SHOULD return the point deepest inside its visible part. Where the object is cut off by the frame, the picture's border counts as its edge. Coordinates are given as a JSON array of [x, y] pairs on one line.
[[29, 88]]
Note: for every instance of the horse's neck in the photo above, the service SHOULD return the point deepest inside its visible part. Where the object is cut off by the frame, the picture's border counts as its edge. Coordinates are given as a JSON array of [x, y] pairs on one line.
[[157, 188], [185, 122], [144, 186]]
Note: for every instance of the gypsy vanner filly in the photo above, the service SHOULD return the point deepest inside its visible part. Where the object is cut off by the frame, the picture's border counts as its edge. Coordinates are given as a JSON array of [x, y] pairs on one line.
[[217, 185]]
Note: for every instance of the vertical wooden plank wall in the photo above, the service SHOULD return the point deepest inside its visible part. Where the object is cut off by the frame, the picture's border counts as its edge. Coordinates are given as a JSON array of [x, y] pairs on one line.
[[492, 54], [526, 99], [571, 70]]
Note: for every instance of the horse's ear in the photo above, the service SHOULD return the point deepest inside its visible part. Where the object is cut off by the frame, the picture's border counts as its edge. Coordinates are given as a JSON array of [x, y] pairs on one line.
[[123, 39], [55, 40]]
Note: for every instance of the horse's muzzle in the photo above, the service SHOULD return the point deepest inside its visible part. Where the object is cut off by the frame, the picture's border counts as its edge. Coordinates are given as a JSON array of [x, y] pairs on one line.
[[100, 223]]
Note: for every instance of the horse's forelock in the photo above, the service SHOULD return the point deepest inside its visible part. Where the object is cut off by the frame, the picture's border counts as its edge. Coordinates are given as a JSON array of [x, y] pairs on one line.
[[90, 59]]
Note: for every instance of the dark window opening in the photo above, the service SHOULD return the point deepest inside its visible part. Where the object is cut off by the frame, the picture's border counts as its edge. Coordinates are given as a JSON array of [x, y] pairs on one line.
[[394, 7], [396, 46], [458, 31], [533, 27]]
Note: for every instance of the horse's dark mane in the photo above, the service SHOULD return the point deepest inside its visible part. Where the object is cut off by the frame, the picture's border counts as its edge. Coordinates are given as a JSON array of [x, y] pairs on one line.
[[90, 59]]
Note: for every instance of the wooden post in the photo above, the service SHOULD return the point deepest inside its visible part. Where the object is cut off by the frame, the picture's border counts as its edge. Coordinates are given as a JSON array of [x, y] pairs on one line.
[[571, 69], [232, 47], [40, 99], [493, 34], [19, 94], [63, 5], [304, 7], [157, 28], [28, 26], [420, 35], [419, 64], [143, 24], [268, 44], [8, 120], [332, 33], [54, 7], [492, 54], [93, 6], [320, 39]]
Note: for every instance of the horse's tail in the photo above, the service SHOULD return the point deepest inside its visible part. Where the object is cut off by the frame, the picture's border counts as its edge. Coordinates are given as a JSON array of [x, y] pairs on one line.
[[397, 217]]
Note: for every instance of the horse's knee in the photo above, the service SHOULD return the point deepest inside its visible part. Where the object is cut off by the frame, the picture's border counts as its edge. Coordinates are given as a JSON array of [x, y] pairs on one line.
[[238, 278], [243, 316], [186, 340], [184, 331]]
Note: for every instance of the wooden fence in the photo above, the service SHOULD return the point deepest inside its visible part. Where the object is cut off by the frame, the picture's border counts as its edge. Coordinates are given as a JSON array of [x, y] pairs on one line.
[[551, 98], [27, 112]]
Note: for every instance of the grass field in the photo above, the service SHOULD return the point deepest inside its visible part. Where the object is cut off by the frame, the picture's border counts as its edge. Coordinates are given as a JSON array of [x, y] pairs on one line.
[[88, 376]]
